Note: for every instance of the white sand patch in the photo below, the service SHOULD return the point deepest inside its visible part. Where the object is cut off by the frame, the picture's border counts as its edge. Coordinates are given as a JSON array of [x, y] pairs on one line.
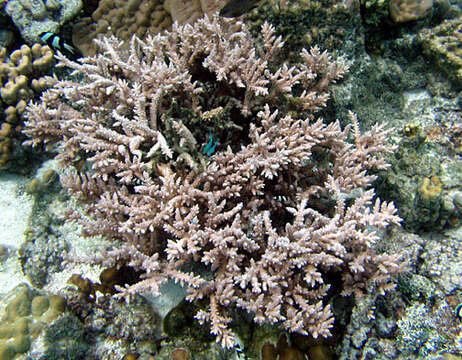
[[15, 209]]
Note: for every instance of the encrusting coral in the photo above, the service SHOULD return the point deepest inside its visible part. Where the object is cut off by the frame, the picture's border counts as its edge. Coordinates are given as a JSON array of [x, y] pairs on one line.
[[443, 44], [201, 158]]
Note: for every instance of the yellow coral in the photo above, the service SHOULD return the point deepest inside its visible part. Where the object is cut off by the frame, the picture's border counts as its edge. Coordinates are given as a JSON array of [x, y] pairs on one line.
[[13, 112], [412, 129], [15, 89], [408, 10], [431, 188], [43, 57], [21, 78], [21, 60], [25, 317], [5, 130], [18, 71], [4, 151]]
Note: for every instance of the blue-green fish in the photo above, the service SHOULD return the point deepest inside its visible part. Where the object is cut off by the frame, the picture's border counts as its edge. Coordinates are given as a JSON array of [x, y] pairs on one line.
[[56, 43]]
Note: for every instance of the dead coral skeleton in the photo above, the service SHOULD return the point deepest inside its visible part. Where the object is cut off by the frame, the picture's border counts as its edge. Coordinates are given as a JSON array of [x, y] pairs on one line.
[[281, 207]]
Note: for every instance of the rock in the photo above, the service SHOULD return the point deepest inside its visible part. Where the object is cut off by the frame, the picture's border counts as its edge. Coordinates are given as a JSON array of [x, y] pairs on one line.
[[34, 17]]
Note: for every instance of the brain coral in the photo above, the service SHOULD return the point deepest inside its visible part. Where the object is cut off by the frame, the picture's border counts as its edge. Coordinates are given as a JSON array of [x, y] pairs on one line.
[[120, 18]]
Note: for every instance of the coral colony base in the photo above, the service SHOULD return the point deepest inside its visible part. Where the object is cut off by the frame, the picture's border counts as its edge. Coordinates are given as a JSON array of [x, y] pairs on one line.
[[266, 221]]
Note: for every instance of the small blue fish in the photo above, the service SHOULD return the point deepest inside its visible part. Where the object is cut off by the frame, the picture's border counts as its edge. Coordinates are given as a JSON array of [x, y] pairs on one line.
[[459, 311], [209, 144], [240, 353], [56, 43], [210, 147]]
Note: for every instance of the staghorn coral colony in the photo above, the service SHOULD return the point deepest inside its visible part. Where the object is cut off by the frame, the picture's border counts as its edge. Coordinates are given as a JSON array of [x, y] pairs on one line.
[[209, 183], [252, 202]]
